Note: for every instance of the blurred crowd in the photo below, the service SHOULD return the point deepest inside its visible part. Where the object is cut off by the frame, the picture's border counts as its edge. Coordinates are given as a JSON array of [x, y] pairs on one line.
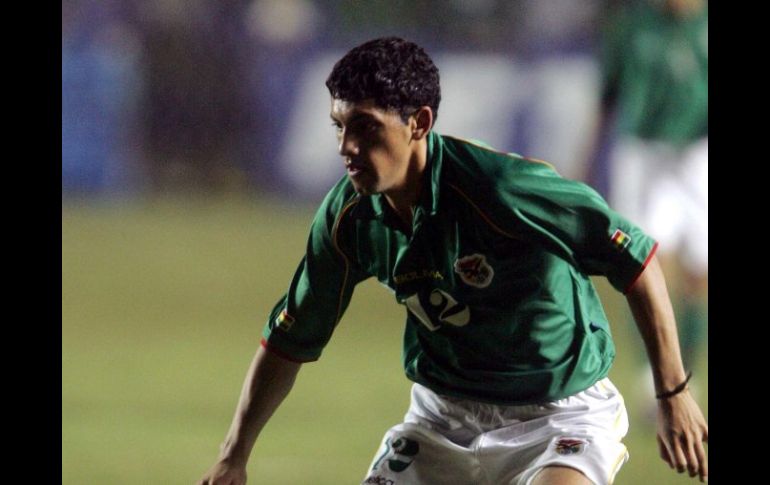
[[162, 95]]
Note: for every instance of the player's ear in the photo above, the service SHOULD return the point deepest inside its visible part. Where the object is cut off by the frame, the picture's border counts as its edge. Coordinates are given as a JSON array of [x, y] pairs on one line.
[[422, 122]]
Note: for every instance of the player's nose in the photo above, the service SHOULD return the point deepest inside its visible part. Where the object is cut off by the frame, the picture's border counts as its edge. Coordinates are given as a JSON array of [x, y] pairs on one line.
[[348, 146]]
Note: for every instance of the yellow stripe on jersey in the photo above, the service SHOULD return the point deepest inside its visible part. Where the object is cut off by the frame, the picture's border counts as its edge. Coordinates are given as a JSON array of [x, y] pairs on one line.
[[490, 149], [481, 213], [335, 231]]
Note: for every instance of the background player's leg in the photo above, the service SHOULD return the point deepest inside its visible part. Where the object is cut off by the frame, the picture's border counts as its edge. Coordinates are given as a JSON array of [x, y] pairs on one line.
[[687, 262], [691, 312], [693, 315]]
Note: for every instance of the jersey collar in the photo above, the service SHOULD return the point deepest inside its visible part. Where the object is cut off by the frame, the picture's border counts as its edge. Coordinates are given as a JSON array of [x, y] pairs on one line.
[[435, 155]]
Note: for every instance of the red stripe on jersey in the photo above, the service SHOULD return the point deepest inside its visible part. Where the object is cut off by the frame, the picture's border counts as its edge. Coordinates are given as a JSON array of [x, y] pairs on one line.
[[282, 354], [646, 262]]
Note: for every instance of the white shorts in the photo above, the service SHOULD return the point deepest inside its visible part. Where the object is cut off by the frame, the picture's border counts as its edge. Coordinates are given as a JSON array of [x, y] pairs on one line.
[[665, 191], [446, 440]]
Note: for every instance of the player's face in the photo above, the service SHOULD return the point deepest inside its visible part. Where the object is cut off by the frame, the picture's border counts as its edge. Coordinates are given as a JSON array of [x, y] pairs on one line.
[[376, 145]]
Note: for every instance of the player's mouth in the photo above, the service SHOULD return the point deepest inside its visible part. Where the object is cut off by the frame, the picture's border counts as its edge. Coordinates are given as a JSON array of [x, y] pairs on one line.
[[354, 169]]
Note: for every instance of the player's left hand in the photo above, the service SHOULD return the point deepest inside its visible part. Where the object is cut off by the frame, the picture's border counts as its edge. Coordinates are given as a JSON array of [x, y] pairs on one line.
[[682, 430]]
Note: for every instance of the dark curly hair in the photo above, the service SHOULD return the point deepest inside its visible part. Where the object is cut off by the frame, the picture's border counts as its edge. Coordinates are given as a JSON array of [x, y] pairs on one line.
[[396, 73]]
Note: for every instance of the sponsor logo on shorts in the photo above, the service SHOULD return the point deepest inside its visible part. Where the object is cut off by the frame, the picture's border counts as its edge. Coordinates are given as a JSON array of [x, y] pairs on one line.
[[378, 480], [570, 446], [399, 454], [284, 321], [404, 451], [474, 270], [620, 240]]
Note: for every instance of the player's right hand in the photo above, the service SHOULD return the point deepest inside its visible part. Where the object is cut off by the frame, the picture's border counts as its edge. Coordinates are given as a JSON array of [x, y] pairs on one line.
[[224, 473]]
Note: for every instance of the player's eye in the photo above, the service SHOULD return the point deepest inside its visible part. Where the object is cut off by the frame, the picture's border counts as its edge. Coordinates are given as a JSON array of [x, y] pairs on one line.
[[365, 127]]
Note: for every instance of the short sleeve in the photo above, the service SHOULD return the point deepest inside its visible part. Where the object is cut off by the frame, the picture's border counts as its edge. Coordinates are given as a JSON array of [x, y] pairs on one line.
[[574, 221], [302, 322]]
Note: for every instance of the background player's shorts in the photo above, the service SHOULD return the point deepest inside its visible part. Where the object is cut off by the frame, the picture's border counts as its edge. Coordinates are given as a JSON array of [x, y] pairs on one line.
[[447, 440], [664, 190]]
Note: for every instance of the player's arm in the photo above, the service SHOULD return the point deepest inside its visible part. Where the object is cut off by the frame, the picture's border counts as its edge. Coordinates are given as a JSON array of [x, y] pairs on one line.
[[267, 383], [682, 428]]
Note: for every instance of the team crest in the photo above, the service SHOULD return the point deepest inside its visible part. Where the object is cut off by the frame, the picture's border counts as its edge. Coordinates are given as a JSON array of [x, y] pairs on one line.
[[284, 321], [570, 446], [474, 270]]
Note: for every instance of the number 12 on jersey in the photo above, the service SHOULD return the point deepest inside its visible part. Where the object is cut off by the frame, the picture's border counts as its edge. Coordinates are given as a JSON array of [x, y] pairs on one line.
[[436, 308]]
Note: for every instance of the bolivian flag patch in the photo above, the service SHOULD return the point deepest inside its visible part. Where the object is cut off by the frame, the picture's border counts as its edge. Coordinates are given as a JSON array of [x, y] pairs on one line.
[[620, 240], [284, 321]]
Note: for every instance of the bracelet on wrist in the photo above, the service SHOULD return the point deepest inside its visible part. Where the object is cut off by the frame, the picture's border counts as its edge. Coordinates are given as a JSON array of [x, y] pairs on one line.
[[673, 392]]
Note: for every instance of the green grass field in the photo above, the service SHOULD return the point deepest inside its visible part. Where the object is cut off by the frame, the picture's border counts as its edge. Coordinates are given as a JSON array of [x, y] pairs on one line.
[[163, 304]]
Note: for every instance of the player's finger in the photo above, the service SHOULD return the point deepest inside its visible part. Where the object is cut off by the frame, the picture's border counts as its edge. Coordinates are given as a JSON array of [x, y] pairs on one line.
[[680, 461], [664, 454], [693, 463], [703, 471]]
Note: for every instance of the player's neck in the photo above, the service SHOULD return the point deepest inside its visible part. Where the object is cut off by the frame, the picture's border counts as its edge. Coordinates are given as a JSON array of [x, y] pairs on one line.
[[403, 198]]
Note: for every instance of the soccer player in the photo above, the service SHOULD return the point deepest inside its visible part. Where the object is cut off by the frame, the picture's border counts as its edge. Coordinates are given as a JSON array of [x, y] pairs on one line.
[[506, 340], [655, 98]]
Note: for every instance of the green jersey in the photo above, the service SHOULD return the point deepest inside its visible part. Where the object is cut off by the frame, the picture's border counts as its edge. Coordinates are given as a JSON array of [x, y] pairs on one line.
[[494, 275], [656, 66]]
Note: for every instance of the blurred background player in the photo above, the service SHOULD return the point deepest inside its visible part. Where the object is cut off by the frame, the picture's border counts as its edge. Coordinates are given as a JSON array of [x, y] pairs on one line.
[[655, 98]]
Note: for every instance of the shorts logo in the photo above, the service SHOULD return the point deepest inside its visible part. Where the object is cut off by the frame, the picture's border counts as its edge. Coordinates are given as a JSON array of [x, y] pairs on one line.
[[570, 446], [474, 270], [404, 451], [284, 321], [399, 454], [620, 240]]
